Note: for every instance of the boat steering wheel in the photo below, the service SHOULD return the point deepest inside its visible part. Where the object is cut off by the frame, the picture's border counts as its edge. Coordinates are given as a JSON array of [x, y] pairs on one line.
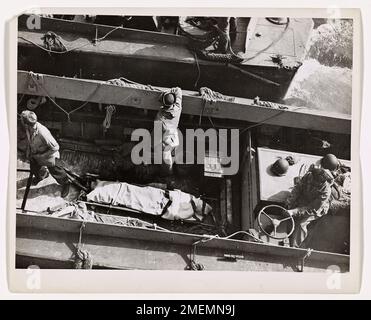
[[274, 221]]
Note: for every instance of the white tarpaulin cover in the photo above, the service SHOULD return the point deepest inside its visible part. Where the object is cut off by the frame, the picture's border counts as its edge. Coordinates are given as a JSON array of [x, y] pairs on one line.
[[150, 200]]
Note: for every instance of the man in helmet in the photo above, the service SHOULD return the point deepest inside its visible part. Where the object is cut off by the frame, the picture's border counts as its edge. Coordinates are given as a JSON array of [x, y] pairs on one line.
[[309, 200], [43, 151], [168, 117], [330, 162]]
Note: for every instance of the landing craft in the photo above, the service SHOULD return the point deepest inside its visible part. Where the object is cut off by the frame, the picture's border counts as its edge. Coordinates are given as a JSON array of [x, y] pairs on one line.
[[70, 93]]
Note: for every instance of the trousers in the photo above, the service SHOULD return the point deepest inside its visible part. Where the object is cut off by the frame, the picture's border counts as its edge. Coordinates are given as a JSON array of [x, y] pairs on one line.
[[301, 229], [57, 171]]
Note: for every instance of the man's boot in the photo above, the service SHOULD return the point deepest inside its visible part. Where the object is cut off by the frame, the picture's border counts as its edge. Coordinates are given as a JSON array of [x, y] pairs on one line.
[[41, 176]]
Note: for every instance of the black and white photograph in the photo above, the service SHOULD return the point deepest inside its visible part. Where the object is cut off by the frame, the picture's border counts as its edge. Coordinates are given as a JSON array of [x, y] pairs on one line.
[[187, 143]]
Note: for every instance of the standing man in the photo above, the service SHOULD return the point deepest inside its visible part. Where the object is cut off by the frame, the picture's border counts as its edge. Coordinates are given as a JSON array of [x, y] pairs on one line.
[[43, 151], [226, 27], [168, 117]]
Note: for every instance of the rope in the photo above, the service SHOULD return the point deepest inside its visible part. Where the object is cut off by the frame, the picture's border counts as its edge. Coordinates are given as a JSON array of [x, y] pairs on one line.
[[211, 97], [193, 265], [244, 232], [62, 45], [214, 96], [214, 38], [307, 255], [267, 119], [53, 51], [110, 110], [68, 113], [107, 34], [83, 259], [269, 104], [123, 82], [198, 70]]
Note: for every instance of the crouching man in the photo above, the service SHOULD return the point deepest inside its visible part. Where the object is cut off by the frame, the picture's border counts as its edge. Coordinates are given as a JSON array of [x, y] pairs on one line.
[[309, 200], [168, 118], [43, 151]]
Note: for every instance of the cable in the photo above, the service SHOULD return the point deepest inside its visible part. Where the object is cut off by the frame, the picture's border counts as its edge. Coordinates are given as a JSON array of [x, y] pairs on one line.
[[269, 118], [244, 232], [107, 34], [203, 240], [198, 69]]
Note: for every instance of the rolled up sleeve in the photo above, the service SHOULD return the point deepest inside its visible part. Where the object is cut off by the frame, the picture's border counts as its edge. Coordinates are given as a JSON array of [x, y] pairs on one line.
[[51, 142]]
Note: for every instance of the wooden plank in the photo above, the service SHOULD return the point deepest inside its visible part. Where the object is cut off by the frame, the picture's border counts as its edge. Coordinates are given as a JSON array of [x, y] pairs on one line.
[[125, 48], [108, 252], [88, 30], [241, 109], [53, 224]]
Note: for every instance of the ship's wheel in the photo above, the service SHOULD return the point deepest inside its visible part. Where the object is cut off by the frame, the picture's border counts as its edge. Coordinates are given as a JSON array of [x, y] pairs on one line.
[[275, 215]]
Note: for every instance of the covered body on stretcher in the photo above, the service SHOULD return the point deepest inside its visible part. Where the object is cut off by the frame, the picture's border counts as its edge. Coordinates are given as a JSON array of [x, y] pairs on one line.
[[170, 205]]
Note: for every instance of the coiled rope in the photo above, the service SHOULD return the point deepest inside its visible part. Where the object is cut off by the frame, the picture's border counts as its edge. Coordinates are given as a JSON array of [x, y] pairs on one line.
[[269, 104], [211, 97], [123, 82], [110, 110]]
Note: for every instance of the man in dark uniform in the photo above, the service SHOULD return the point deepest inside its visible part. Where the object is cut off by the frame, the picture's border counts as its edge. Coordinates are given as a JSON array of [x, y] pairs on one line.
[[43, 151]]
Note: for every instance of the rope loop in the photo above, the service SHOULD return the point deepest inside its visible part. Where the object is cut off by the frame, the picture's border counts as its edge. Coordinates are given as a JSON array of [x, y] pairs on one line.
[[83, 258], [110, 110]]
